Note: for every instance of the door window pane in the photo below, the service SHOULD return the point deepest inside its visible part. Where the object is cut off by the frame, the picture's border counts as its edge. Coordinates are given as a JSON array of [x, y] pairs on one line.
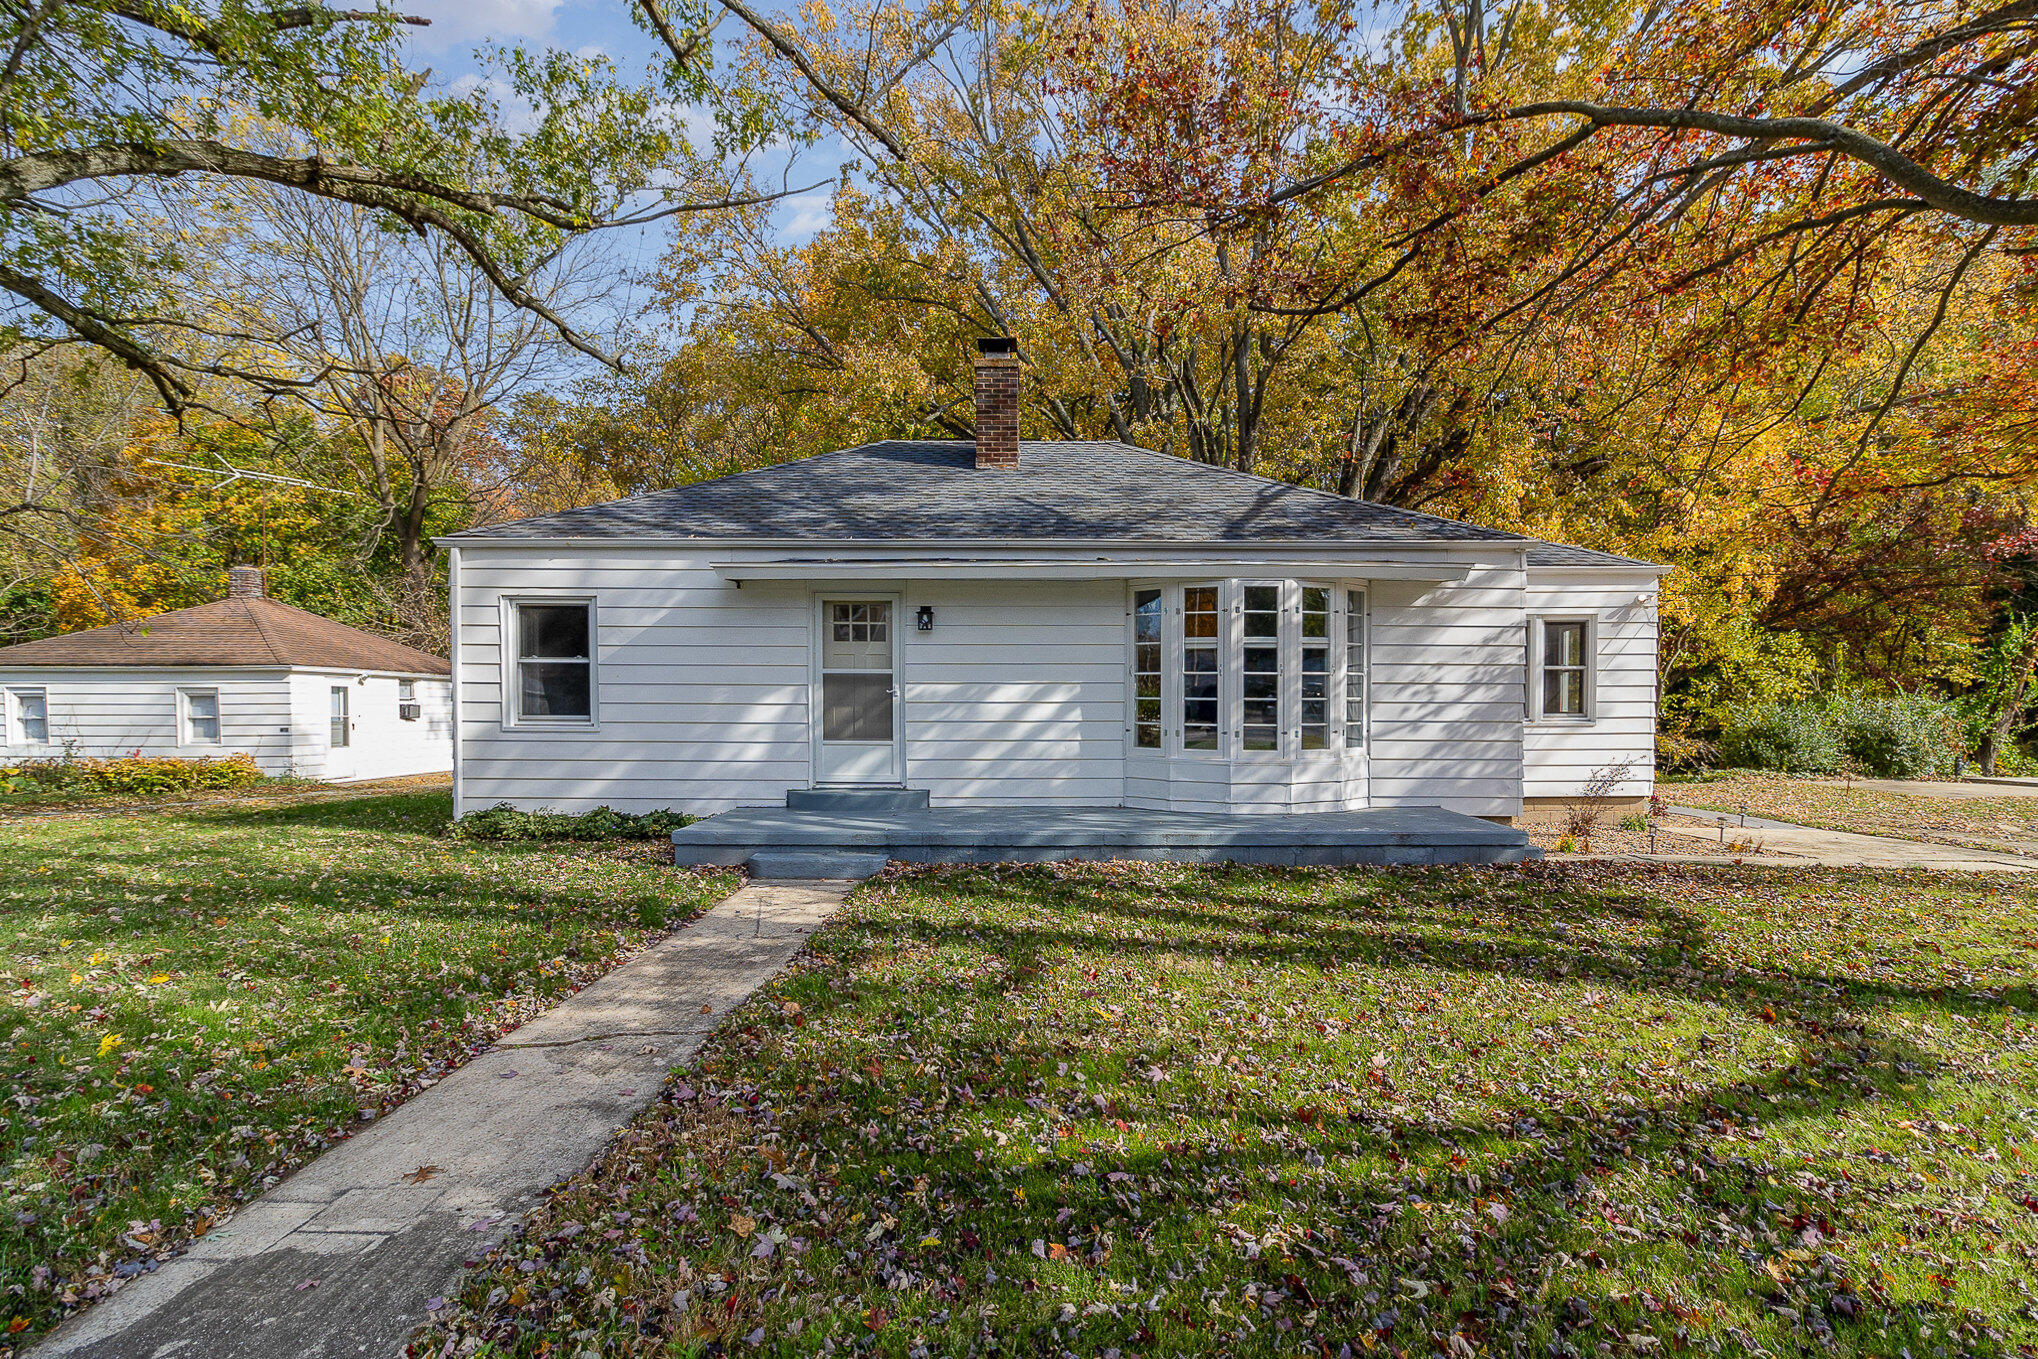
[[339, 731], [555, 660], [1146, 669], [1199, 668], [201, 717], [858, 637], [1355, 668], [856, 706]]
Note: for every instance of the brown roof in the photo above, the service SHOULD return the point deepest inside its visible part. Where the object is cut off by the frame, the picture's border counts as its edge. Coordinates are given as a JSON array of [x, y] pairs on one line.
[[256, 631]]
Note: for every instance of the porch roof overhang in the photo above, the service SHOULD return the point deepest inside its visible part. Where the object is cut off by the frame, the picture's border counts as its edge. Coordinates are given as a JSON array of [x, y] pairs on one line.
[[929, 568]]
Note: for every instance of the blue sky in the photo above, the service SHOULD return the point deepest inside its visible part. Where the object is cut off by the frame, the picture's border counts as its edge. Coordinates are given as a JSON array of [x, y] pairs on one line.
[[460, 26]]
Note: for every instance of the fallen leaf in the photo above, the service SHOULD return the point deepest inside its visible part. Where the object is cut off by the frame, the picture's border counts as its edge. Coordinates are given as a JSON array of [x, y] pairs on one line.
[[421, 1174]]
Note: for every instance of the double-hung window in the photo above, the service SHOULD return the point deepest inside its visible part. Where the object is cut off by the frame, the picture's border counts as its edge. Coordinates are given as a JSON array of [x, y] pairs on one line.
[[339, 718], [553, 681], [198, 716], [27, 717], [1562, 684]]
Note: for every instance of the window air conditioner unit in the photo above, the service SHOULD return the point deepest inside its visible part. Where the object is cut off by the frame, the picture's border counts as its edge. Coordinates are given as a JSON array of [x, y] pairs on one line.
[[407, 711]]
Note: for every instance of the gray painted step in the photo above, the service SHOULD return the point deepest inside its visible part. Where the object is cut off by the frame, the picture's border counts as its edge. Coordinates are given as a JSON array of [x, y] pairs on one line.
[[855, 800], [1382, 835], [769, 864]]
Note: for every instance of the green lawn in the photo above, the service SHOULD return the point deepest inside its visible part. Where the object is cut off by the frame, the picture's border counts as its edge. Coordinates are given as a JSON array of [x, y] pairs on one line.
[[199, 1000], [1568, 1110], [2007, 824]]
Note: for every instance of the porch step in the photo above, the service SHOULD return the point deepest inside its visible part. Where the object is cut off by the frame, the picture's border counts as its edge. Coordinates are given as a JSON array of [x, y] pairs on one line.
[[768, 864], [850, 801]]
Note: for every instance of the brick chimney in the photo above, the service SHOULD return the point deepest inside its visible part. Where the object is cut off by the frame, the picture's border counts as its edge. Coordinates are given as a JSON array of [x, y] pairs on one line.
[[998, 403], [244, 582]]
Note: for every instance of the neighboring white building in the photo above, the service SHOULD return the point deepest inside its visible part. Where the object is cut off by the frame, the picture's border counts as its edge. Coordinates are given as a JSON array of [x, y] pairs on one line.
[[244, 675], [1068, 623]]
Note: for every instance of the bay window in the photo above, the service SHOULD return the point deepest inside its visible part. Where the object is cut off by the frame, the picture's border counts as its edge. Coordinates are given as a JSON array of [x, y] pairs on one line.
[[1250, 669]]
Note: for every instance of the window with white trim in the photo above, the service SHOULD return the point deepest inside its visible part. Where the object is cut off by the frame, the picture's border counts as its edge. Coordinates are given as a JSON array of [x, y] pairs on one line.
[[198, 717], [339, 719], [1563, 686], [28, 717], [554, 680], [1147, 617], [1200, 663], [1355, 668], [1314, 727]]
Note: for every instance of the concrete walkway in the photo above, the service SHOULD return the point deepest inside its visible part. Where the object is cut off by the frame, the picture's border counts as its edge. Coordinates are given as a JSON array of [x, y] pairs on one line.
[[341, 1258], [1846, 849]]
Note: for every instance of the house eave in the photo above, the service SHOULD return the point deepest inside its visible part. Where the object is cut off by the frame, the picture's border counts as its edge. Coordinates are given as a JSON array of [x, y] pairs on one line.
[[1120, 569], [1490, 547]]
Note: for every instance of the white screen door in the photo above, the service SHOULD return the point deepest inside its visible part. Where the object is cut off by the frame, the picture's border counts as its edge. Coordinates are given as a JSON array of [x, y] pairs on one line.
[[858, 733]]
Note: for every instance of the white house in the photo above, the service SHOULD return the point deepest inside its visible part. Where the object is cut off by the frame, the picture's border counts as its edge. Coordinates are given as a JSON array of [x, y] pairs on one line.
[[1004, 624], [243, 675]]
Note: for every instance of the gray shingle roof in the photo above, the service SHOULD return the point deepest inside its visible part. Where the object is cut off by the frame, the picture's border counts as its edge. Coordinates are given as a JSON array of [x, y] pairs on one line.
[[1557, 554], [931, 490]]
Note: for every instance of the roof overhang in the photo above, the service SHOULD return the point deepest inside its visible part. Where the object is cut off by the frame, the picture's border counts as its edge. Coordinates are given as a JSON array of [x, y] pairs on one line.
[[899, 568]]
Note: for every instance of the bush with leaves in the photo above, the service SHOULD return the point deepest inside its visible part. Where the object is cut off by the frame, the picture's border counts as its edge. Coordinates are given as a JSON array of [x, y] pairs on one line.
[[1788, 738], [1901, 736], [505, 822], [133, 775]]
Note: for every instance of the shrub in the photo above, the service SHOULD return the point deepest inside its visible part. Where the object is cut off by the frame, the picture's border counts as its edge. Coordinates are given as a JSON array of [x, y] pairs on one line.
[[1902, 736], [134, 775], [1684, 754], [1788, 738], [504, 822], [1635, 821]]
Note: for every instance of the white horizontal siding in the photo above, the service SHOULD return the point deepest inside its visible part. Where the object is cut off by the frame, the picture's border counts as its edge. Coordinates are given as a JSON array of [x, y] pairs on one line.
[[106, 714], [1560, 758], [1445, 701], [1015, 697]]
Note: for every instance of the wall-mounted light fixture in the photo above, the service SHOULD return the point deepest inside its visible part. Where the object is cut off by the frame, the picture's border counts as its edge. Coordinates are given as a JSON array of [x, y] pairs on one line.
[[925, 618]]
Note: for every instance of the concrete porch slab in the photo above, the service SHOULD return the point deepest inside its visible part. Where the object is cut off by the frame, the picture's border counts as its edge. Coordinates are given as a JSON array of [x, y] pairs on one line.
[[1377, 836]]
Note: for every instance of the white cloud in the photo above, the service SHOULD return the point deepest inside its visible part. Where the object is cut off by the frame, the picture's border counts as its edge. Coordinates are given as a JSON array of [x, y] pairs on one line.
[[809, 215], [517, 114], [463, 23]]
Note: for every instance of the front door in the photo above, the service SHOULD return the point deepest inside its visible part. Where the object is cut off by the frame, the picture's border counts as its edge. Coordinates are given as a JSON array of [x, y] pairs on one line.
[[857, 738]]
